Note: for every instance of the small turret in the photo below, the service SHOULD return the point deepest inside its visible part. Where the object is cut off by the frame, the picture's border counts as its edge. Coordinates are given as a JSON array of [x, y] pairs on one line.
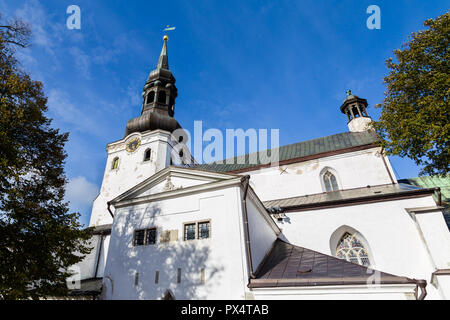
[[355, 109]]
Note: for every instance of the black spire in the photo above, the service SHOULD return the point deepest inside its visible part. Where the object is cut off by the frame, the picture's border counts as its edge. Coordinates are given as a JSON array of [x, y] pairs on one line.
[[159, 95]]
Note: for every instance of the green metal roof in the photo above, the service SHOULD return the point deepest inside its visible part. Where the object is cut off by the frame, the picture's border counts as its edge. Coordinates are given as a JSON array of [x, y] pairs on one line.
[[297, 150], [432, 182]]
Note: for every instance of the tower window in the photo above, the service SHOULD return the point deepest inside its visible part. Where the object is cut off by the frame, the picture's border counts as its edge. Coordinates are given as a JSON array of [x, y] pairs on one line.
[[151, 97], [350, 248], [147, 154], [162, 97], [330, 182], [115, 164]]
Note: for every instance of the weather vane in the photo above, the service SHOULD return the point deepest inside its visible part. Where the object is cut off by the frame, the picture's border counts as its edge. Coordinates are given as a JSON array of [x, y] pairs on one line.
[[168, 28]]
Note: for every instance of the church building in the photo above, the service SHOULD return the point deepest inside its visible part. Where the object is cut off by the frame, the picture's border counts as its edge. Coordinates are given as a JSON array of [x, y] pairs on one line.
[[329, 221]]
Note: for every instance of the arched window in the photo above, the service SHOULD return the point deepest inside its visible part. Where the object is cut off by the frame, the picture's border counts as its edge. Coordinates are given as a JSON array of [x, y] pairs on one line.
[[330, 182], [115, 163], [151, 97], [350, 248], [162, 97], [147, 155]]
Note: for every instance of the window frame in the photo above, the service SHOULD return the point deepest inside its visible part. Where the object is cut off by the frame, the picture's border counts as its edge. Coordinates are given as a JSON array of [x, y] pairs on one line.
[[146, 231], [322, 177], [196, 229]]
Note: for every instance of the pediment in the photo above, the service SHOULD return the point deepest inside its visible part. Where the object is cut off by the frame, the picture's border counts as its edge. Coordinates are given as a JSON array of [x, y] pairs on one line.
[[172, 179]]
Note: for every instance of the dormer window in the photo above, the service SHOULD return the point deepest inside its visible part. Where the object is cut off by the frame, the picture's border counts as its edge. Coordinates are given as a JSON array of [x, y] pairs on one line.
[[115, 164], [147, 154], [330, 182]]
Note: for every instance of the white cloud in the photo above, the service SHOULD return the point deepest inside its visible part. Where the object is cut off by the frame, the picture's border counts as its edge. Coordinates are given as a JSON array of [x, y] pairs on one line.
[[81, 193], [82, 61], [63, 109]]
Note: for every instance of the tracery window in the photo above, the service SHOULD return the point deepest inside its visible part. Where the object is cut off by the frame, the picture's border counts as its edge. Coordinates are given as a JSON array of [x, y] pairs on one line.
[[350, 248], [330, 182]]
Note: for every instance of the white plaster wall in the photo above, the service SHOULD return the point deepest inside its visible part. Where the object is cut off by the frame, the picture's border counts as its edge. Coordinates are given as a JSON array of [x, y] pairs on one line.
[[354, 170], [86, 267], [392, 236], [437, 237], [359, 124], [222, 256], [132, 169], [103, 256], [262, 235]]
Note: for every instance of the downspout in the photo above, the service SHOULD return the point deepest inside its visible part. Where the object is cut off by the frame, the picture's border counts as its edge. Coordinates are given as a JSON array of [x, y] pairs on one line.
[[109, 204], [245, 183]]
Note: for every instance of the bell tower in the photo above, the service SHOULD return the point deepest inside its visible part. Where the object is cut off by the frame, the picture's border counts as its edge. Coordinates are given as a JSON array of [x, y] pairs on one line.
[[149, 143], [355, 109], [159, 94]]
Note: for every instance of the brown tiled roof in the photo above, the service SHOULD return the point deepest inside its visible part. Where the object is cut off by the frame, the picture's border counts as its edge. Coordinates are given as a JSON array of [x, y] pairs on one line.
[[288, 265]]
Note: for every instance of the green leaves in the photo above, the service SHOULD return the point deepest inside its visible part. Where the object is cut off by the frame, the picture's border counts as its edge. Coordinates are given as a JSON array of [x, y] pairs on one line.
[[415, 117], [39, 237]]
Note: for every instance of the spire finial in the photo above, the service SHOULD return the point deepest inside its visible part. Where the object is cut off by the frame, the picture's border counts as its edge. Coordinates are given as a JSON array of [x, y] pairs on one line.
[[163, 62], [349, 92]]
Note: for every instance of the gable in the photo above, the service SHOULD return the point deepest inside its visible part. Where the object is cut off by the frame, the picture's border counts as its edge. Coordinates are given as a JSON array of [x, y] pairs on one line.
[[172, 179]]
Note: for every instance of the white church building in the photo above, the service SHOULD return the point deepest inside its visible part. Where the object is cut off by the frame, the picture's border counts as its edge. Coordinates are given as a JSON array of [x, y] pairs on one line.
[[329, 221]]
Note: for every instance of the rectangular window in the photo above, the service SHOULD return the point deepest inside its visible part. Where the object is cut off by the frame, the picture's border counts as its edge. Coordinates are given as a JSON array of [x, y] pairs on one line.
[[150, 236], [189, 231], [203, 230], [144, 237], [139, 237]]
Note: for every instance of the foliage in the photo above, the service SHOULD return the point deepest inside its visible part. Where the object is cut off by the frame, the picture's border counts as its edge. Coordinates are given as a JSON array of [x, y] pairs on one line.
[[38, 235], [415, 112]]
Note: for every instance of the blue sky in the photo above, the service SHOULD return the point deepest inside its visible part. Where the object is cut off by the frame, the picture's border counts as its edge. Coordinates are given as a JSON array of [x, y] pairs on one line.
[[238, 64]]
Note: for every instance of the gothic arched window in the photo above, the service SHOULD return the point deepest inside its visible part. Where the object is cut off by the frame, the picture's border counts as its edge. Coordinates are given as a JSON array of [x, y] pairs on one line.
[[115, 163], [147, 154], [162, 97], [350, 248], [330, 182]]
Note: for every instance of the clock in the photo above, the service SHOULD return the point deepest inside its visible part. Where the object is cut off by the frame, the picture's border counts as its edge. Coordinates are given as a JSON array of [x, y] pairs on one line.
[[133, 144]]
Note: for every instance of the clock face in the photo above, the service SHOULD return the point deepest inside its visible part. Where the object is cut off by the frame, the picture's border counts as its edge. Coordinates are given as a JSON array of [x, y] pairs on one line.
[[133, 144]]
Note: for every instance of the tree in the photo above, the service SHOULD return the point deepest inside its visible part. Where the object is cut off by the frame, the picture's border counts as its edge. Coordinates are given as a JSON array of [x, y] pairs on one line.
[[39, 237], [415, 114]]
